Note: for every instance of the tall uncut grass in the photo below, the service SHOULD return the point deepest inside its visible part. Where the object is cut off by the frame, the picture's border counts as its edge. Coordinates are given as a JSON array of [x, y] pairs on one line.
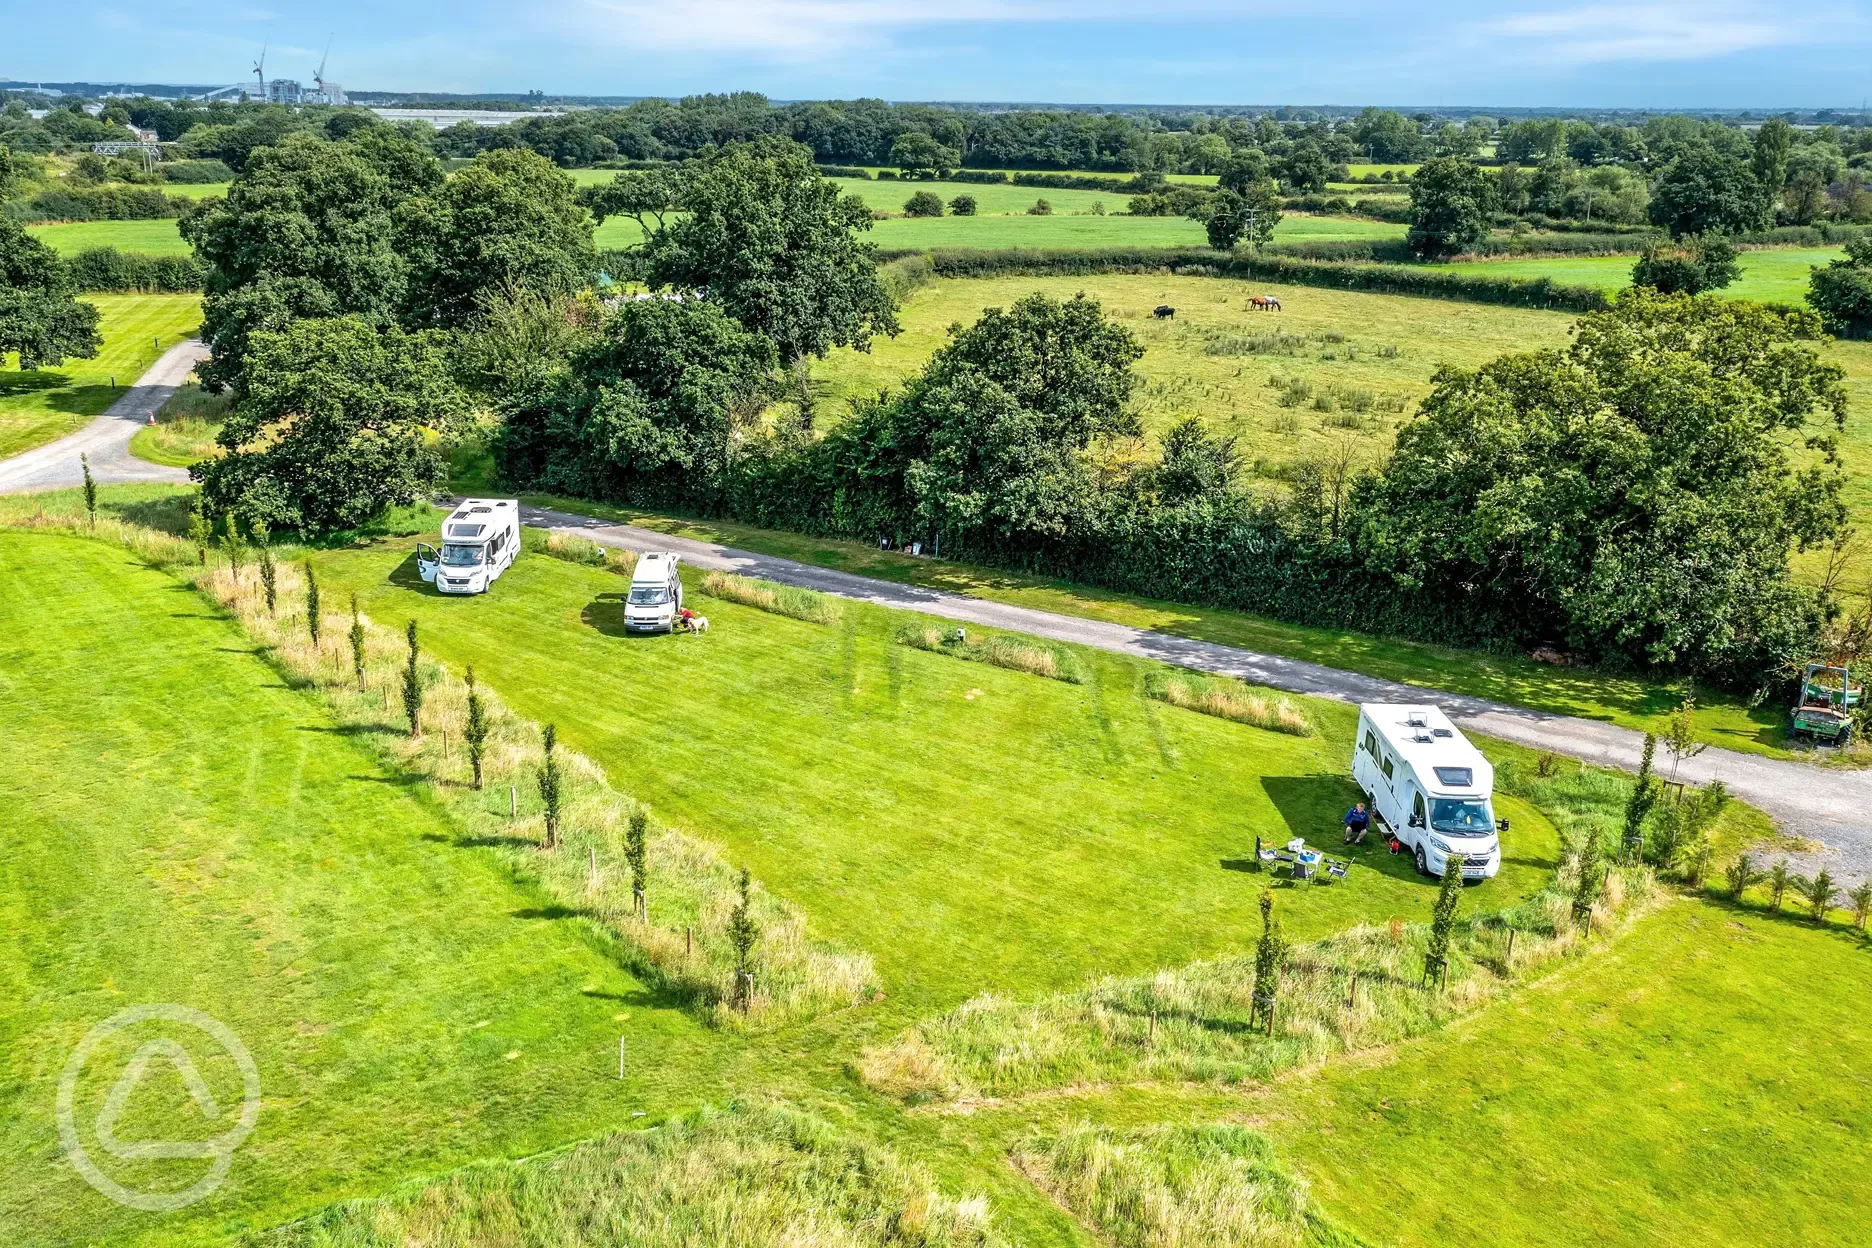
[[691, 894], [1175, 1187], [1193, 1023], [1227, 699], [801, 604], [744, 1177], [999, 650], [577, 548]]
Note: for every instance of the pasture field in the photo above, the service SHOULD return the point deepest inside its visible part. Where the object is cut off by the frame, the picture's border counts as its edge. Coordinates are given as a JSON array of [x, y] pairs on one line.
[[1769, 275], [45, 405], [1233, 366], [158, 238]]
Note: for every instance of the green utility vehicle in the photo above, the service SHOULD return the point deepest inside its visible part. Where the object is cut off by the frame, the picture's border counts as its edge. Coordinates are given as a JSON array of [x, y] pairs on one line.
[[1823, 712]]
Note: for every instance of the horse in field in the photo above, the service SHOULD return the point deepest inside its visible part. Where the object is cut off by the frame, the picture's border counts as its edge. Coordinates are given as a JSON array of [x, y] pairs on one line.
[[1265, 303], [1163, 312]]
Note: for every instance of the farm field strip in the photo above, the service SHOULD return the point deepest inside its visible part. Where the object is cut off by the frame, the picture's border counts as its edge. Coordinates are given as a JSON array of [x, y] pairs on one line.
[[159, 238], [44, 405], [1769, 275]]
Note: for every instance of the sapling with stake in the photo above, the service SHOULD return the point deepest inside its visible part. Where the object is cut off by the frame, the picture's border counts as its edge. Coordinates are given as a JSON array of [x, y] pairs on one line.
[[1861, 899], [1681, 737], [412, 685], [312, 605], [1591, 880], [1269, 954], [356, 634], [549, 786], [1819, 894], [1778, 881], [198, 530], [743, 933], [1743, 875], [476, 731], [1443, 920], [636, 846], [269, 574], [90, 489], [1638, 806]]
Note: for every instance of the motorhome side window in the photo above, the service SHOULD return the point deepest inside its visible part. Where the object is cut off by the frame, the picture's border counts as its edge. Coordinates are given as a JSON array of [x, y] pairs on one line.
[[1385, 766], [1417, 810], [1371, 743]]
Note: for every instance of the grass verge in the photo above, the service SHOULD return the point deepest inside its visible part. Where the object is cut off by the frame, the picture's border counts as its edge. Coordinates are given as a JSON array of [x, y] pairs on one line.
[[185, 428]]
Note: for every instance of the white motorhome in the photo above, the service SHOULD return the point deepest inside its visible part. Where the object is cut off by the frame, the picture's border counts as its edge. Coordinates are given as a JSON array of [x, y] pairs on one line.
[[655, 599], [1430, 788], [480, 540]]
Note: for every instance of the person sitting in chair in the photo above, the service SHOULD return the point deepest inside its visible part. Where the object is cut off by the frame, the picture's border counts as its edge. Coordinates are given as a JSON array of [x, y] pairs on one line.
[[1357, 824]]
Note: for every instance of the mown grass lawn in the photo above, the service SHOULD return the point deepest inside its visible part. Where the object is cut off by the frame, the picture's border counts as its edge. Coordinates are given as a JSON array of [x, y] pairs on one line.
[[46, 404], [160, 237], [1722, 718], [1704, 1082], [972, 828], [181, 828]]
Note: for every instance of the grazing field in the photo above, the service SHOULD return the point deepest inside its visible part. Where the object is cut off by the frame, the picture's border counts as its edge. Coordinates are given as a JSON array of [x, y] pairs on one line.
[[45, 405], [1769, 276], [160, 237], [183, 828], [1333, 369]]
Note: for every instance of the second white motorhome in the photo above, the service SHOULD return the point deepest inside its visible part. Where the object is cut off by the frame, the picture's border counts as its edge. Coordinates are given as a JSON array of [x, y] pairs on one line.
[[480, 540], [655, 598], [1432, 789]]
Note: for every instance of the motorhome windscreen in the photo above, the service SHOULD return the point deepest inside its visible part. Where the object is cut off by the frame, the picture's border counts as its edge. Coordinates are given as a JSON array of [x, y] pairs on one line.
[[648, 595], [1456, 818], [1456, 777], [458, 556]]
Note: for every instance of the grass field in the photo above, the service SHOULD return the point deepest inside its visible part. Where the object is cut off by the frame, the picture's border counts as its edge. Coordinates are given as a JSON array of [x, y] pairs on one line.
[[183, 828], [1017, 229], [160, 238], [1001, 813], [45, 405], [1705, 1083], [972, 827], [1770, 276], [1230, 365]]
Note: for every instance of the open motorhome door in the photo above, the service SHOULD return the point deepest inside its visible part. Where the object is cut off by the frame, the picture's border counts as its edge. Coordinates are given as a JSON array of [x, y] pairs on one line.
[[427, 559]]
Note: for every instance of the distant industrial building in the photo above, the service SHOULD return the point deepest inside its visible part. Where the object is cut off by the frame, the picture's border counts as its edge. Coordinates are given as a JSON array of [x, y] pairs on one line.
[[285, 91]]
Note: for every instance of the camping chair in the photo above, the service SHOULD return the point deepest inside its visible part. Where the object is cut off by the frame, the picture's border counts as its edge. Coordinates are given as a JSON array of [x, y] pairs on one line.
[[1265, 856], [1302, 869], [1336, 868]]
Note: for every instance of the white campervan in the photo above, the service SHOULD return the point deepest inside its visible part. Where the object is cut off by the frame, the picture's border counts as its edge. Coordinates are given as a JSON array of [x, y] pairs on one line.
[[480, 540], [655, 598], [1429, 787]]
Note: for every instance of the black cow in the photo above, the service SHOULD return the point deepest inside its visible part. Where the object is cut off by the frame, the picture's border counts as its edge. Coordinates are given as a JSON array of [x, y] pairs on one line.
[[1164, 312]]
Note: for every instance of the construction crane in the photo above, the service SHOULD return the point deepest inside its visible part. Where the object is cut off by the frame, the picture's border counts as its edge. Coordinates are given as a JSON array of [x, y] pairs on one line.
[[259, 70], [318, 75]]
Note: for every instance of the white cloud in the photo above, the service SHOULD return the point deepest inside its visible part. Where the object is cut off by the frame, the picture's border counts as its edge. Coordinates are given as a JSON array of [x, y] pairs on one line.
[[1602, 33]]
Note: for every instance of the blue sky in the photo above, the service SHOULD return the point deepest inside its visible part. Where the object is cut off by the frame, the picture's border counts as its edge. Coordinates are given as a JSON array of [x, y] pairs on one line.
[[1646, 53]]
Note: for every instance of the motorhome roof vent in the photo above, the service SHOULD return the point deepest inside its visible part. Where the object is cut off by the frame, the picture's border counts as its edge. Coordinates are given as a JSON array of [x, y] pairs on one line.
[[1441, 732], [1416, 719]]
